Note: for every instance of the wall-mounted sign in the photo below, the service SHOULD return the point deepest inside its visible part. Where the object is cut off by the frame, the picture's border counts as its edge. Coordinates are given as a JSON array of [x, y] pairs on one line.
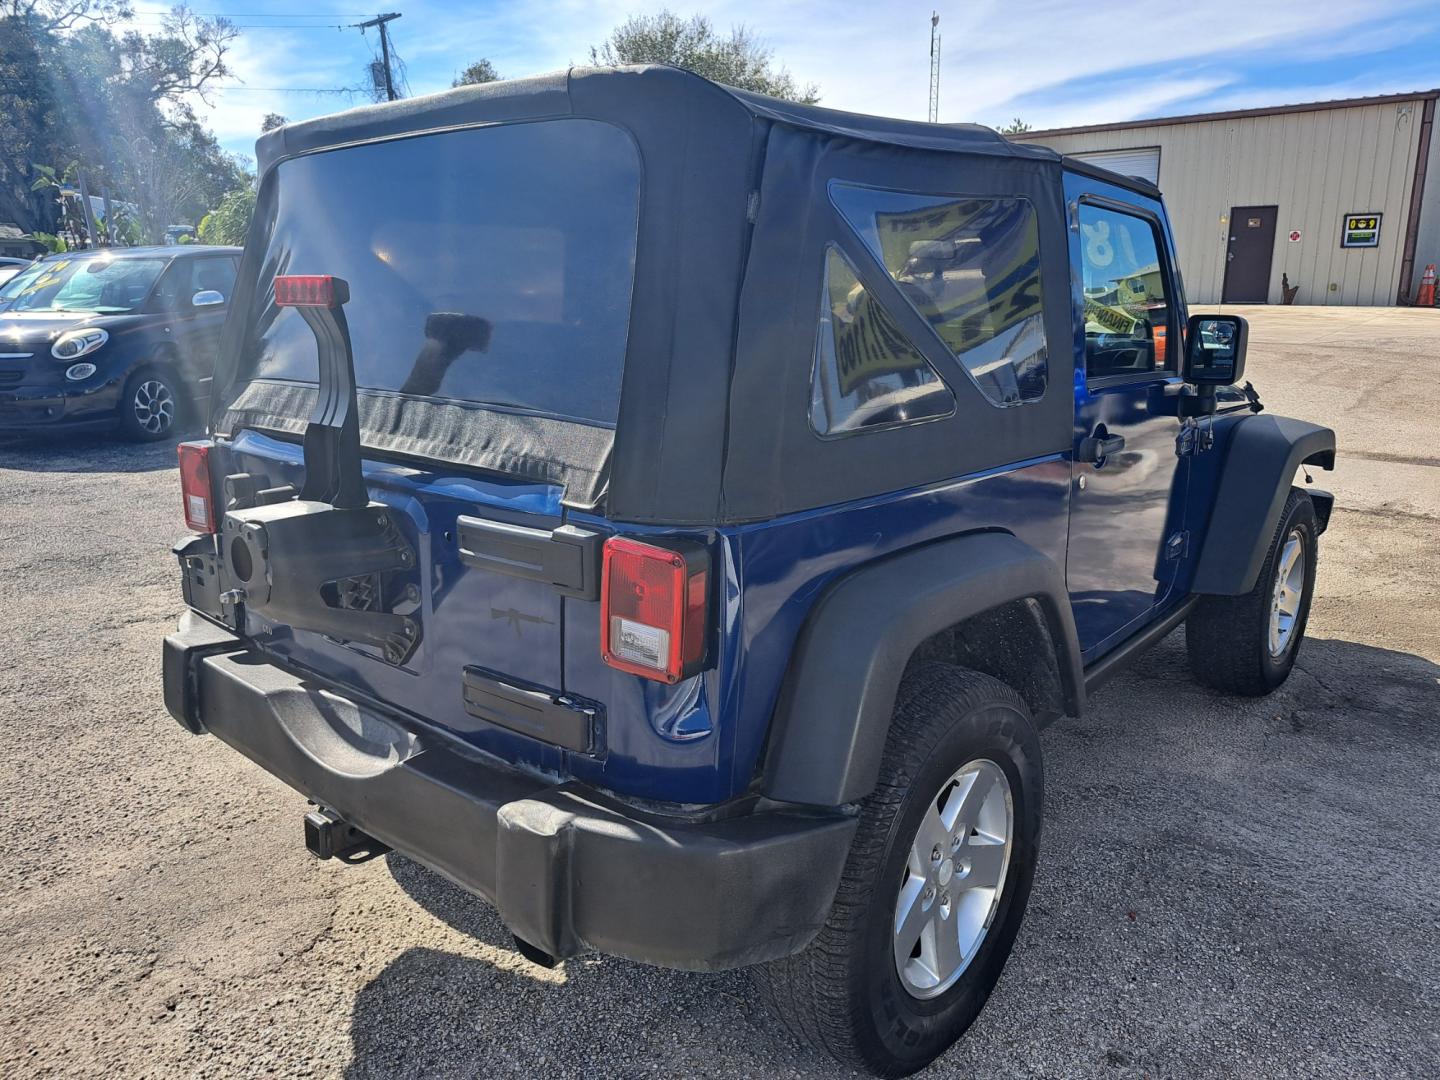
[[1294, 236], [1360, 230]]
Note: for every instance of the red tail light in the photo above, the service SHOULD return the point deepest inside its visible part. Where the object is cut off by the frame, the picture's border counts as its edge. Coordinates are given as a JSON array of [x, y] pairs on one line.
[[195, 486], [653, 604], [310, 290]]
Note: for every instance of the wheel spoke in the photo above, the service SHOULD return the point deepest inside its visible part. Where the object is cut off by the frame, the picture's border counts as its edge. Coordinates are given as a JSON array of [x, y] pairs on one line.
[[947, 947], [987, 862], [971, 799], [910, 919]]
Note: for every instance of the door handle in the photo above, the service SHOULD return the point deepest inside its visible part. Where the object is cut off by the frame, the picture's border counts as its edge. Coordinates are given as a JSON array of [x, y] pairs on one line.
[[1098, 447]]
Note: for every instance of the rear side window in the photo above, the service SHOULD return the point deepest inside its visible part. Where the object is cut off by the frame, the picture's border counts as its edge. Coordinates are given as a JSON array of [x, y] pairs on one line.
[[490, 265], [867, 372], [971, 267]]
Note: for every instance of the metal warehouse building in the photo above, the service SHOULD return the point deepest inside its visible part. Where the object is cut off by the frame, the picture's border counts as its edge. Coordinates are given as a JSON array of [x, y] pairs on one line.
[[1339, 198]]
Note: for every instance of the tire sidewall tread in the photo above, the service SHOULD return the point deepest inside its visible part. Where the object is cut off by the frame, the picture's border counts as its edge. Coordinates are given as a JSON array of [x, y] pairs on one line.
[[842, 994]]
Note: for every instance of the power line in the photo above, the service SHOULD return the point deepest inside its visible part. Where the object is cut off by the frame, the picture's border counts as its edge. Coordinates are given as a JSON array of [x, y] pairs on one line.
[[258, 14], [286, 89], [284, 26]]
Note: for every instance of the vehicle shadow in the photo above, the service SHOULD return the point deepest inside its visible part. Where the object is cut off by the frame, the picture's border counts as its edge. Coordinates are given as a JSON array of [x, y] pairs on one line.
[[438, 1013], [75, 453], [1157, 755]]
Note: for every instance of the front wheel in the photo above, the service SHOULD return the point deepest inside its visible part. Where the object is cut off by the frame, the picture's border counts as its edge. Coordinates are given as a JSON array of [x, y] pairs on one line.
[[935, 885], [1248, 644], [149, 405]]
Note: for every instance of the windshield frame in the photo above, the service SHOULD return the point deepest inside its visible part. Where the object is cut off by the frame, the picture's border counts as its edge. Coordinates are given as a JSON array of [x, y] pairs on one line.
[[38, 268]]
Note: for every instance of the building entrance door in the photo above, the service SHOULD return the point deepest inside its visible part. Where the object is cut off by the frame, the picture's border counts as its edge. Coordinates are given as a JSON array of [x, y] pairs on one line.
[[1248, 255]]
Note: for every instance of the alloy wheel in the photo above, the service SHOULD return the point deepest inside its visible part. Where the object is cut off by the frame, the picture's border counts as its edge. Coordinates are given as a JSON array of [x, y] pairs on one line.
[[154, 406], [954, 878], [1287, 593]]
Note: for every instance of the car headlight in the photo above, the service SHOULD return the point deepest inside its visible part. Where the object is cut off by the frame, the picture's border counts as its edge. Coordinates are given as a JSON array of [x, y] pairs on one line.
[[76, 343]]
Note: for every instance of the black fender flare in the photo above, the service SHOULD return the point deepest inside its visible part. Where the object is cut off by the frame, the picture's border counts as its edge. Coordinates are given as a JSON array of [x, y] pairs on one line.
[[833, 715], [1256, 473]]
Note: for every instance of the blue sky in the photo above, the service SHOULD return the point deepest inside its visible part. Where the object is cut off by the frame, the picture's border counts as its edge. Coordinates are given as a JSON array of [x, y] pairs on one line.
[[1053, 63]]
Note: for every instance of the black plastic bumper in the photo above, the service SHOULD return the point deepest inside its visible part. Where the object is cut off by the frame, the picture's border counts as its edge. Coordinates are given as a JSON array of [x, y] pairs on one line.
[[569, 872]]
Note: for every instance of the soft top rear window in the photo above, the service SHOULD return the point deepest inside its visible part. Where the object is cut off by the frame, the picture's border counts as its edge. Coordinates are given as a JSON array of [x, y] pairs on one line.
[[489, 265]]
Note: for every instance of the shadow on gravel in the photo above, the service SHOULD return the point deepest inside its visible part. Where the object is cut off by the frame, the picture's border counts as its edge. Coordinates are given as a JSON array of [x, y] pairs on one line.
[[60, 453], [437, 1013], [1156, 919]]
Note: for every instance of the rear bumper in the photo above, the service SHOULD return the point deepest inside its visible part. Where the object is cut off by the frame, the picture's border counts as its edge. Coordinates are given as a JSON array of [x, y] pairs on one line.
[[569, 871]]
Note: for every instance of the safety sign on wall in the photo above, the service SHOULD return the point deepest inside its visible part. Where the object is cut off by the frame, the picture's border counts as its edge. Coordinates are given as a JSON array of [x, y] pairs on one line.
[[1360, 231]]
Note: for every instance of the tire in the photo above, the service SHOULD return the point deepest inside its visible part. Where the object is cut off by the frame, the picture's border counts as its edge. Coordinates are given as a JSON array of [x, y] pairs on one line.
[[150, 405], [845, 995], [1229, 638]]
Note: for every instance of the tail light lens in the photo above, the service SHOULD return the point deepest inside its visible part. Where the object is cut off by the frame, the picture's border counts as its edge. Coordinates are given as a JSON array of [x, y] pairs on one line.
[[653, 605], [195, 486]]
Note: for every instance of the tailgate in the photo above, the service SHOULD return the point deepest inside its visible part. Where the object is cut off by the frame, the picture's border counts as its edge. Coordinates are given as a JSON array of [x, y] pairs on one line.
[[492, 563]]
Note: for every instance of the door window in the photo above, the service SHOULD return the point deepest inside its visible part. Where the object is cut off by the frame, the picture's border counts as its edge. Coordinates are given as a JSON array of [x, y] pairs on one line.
[[174, 291], [1127, 308], [214, 275]]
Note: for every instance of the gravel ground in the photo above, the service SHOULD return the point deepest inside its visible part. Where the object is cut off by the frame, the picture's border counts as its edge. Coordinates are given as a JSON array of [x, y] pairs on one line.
[[1228, 888]]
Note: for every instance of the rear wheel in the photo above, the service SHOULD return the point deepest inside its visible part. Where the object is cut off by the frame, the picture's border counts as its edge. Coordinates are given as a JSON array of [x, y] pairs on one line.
[[149, 405], [1248, 644], [935, 885]]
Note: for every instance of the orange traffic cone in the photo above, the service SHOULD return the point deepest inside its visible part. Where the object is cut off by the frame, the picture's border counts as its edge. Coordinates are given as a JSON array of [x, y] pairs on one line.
[[1427, 288]]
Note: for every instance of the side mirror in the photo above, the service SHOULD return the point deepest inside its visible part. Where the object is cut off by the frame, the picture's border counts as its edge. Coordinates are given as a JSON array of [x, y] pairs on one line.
[[207, 298], [1215, 350]]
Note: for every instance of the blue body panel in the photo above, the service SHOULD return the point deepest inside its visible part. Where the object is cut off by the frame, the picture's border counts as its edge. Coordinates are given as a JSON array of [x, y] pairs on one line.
[[700, 741], [1117, 569]]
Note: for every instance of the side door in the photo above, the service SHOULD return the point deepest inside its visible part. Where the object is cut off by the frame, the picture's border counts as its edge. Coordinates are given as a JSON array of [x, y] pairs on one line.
[[193, 330], [1127, 494], [213, 274]]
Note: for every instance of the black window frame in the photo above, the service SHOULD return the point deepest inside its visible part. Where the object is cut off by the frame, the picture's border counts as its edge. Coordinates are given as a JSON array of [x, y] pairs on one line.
[[1174, 345]]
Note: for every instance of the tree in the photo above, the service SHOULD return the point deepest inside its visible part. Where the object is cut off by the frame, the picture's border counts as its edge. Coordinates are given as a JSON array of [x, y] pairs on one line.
[[1015, 127], [741, 59], [77, 86], [64, 14], [482, 71], [272, 121], [230, 221]]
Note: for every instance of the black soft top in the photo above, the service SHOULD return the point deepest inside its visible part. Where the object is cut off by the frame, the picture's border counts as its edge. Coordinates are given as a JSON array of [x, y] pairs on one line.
[[583, 91], [734, 222]]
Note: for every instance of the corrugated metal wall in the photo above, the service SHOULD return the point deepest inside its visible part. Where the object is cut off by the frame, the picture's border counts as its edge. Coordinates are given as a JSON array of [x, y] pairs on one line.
[[1315, 166]]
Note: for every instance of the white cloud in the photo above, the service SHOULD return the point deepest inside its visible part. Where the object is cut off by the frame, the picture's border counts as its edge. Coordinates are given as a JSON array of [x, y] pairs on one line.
[[999, 59]]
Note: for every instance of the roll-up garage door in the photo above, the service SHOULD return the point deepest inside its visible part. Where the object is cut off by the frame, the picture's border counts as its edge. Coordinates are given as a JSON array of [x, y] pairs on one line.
[[1143, 161]]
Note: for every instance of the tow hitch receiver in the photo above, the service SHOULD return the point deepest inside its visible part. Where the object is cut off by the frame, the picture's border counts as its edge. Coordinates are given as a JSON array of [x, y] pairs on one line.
[[329, 836]]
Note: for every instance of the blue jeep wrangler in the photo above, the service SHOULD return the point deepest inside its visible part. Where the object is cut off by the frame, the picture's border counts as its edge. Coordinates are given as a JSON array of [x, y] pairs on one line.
[[674, 518]]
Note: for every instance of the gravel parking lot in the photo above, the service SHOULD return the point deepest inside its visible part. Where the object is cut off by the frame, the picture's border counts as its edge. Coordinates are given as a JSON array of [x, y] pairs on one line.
[[1228, 888]]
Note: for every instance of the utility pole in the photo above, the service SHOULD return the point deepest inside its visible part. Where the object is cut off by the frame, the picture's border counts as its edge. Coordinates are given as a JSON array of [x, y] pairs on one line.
[[934, 67], [380, 21]]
